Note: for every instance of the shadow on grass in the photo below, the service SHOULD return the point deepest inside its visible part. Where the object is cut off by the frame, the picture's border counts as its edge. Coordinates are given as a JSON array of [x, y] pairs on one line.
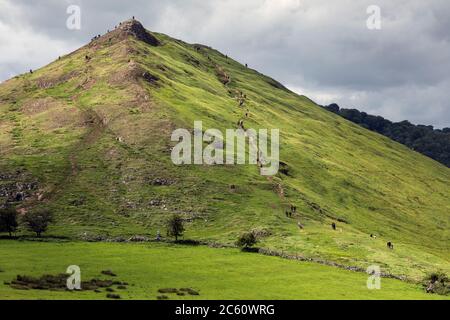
[[48, 238], [187, 242]]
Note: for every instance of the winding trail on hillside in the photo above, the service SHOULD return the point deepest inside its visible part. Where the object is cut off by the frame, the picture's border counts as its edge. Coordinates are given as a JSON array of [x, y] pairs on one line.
[[242, 99]]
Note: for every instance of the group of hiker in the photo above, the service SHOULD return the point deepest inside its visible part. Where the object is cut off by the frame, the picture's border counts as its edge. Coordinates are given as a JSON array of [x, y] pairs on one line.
[[96, 37], [293, 210], [115, 27]]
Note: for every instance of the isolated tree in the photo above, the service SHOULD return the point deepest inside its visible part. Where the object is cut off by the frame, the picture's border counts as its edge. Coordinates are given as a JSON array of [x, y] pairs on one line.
[[246, 240], [8, 221], [38, 221], [175, 227]]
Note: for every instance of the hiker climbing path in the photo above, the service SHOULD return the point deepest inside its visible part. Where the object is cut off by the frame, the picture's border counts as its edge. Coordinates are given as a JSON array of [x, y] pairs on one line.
[[241, 99], [261, 160]]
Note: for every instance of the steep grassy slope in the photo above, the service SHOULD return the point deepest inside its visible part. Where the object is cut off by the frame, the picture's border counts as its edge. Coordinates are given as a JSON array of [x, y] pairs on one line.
[[434, 143], [89, 137]]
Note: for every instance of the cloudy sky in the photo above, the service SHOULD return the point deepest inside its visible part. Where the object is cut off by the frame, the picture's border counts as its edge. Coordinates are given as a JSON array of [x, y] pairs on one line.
[[319, 48]]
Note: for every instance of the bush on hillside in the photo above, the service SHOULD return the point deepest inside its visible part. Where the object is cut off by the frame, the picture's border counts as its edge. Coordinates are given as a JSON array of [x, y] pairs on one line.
[[438, 283], [246, 240]]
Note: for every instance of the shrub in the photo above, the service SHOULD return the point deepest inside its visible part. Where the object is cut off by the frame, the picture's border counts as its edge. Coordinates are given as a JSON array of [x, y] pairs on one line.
[[38, 221], [190, 291], [175, 227], [109, 273], [45, 282], [8, 221], [168, 290], [246, 240], [57, 282], [437, 282]]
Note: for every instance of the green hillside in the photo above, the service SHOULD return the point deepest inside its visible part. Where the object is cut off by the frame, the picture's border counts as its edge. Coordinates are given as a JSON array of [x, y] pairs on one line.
[[88, 136]]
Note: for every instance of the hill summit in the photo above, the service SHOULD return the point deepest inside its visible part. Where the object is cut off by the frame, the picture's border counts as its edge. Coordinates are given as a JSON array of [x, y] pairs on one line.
[[135, 29], [89, 137]]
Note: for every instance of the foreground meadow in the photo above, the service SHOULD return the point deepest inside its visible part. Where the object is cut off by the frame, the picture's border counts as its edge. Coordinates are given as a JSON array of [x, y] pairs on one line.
[[213, 273]]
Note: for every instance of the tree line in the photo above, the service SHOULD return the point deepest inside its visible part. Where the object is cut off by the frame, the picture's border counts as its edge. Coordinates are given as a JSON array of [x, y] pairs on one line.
[[34, 221], [37, 221]]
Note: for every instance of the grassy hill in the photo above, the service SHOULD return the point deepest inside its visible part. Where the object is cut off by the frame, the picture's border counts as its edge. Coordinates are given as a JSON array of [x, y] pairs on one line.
[[88, 136]]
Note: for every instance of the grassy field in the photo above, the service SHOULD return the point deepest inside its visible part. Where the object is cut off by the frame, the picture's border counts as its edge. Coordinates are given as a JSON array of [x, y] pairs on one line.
[[214, 273], [94, 135]]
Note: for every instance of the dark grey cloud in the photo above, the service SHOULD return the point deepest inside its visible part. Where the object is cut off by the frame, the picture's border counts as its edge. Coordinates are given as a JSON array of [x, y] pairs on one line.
[[319, 48]]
